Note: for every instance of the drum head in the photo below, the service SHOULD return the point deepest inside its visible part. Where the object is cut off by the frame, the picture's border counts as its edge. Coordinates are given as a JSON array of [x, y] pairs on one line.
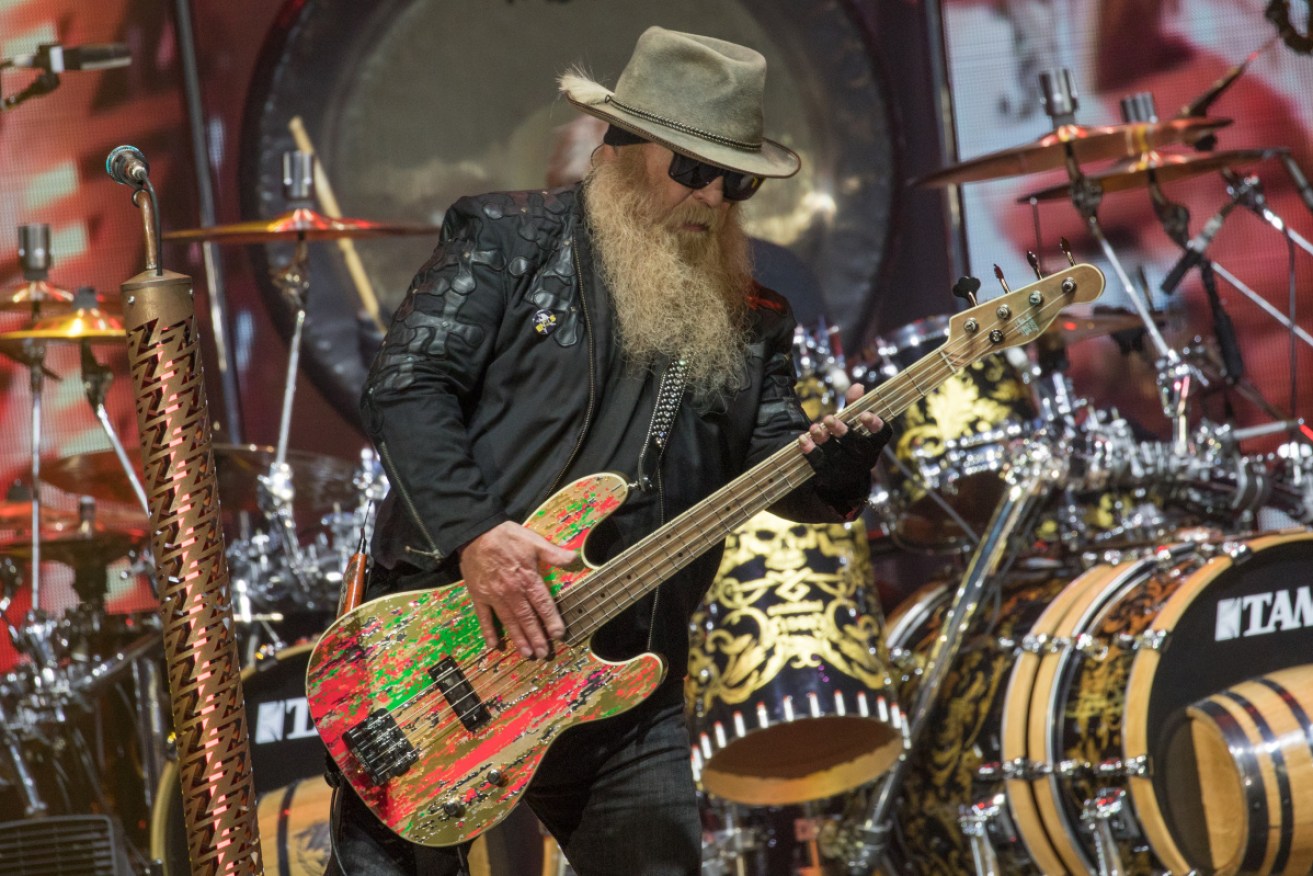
[[1244, 614]]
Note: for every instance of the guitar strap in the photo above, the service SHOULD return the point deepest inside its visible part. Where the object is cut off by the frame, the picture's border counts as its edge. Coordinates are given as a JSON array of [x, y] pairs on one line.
[[670, 396]]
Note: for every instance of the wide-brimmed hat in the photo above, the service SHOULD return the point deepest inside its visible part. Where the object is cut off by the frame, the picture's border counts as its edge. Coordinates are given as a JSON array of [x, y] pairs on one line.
[[693, 94]]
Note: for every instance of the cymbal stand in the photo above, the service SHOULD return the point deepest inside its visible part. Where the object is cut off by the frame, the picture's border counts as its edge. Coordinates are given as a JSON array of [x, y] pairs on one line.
[[35, 354], [1176, 377], [994, 553], [96, 379], [277, 490]]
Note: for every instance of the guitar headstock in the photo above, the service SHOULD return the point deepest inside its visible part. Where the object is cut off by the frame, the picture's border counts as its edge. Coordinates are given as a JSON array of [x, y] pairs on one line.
[[1020, 316]]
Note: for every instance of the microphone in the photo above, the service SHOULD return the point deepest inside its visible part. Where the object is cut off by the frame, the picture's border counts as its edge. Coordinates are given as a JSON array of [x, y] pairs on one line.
[[1194, 249], [127, 166], [54, 58], [1302, 185]]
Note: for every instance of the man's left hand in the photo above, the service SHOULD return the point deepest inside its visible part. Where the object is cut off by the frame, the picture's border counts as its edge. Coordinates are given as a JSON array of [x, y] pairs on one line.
[[864, 447]]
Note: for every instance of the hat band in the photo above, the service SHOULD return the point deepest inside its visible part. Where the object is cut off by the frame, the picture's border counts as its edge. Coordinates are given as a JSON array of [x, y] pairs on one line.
[[685, 129]]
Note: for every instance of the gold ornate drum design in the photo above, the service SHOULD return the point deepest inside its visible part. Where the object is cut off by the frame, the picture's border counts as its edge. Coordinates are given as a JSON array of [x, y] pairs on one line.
[[953, 441], [960, 746], [1251, 747], [789, 688]]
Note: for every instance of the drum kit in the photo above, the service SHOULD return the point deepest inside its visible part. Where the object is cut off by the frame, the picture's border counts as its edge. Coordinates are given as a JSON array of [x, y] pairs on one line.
[[1106, 679]]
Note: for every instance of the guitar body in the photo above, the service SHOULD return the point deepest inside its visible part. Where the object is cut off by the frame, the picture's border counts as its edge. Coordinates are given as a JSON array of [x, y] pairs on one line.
[[439, 735]]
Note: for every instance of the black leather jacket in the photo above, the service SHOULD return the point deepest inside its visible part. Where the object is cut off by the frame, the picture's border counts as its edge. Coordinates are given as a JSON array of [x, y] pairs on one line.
[[497, 384]]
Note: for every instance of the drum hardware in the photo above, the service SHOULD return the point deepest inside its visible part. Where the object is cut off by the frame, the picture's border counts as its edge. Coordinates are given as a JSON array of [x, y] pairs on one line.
[[981, 823], [1099, 816], [869, 840]]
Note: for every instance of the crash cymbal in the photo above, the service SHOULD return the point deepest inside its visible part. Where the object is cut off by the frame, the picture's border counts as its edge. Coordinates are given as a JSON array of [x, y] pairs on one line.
[[1089, 144], [51, 298], [1133, 173], [319, 481], [98, 474], [300, 224]]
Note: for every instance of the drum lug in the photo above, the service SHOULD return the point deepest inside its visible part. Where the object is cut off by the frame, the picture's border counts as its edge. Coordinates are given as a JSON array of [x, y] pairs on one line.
[[1152, 640], [1238, 551], [1017, 768], [1118, 768], [1069, 769]]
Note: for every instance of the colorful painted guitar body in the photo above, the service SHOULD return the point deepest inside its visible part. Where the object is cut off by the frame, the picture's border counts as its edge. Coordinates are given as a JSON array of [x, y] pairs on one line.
[[466, 727], [440, 736]]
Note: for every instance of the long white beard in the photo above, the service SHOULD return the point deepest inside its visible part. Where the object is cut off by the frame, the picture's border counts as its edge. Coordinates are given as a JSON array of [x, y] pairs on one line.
[[677, 294]]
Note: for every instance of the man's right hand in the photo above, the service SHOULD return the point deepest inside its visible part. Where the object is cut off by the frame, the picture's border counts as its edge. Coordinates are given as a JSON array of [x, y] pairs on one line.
[[503, 572]]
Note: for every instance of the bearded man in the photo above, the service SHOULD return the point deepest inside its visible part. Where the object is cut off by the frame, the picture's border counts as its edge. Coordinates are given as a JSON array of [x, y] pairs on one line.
[[610, 326]]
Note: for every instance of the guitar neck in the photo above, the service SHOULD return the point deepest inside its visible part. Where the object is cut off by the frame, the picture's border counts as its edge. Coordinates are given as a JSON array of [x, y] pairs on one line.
[[641, 568], [1012, 319]]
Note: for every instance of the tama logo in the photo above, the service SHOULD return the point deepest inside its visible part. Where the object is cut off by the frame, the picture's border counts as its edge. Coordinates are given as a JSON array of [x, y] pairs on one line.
[[1264, 613], [283, 720]]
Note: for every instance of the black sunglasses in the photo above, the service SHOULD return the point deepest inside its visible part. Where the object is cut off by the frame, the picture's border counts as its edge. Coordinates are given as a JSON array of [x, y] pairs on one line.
[[698, 174]]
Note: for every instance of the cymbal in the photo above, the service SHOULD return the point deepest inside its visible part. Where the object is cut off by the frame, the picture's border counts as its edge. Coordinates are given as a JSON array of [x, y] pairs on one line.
[[319, 481], [300, 224], [1135, 173], [18, 516], [98, 474], [90, 324], [1075, 327], [1089, 144], [20, 298], [88, 545]]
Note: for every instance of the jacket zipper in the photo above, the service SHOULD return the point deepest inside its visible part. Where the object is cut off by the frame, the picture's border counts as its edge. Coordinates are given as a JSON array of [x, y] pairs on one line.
[[410, 505], [592, 367]]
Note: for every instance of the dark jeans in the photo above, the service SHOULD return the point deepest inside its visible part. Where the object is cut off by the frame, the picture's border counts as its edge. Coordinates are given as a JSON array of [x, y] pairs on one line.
[[617, 795]]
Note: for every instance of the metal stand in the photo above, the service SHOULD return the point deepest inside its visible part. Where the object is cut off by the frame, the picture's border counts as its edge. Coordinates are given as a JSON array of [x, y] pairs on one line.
[[96, 379], [277, 490], [990, 557]]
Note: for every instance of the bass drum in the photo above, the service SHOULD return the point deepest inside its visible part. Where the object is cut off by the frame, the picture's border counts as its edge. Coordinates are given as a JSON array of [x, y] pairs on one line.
[[293, 800], [789, 683], [1061, 722]]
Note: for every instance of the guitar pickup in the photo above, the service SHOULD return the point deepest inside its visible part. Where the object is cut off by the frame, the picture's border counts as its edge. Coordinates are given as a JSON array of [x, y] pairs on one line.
[[451, 680], [380, 746]]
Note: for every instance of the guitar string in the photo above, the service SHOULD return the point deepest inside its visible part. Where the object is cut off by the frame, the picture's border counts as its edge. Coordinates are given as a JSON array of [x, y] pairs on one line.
[[933, 361], [935, 364]]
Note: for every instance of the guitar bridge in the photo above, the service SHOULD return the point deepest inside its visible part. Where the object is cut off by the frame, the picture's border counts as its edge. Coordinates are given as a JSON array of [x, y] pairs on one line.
[[380, 746], [451, 680]]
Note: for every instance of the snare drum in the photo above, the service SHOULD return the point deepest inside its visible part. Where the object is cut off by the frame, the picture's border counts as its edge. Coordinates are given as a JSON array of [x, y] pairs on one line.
[[953, 441], [789, 687]]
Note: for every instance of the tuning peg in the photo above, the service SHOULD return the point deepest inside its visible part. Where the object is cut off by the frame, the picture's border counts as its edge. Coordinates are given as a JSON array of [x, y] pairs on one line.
[[966, 289], [1035, 265], [1066, 250], [998, 273]]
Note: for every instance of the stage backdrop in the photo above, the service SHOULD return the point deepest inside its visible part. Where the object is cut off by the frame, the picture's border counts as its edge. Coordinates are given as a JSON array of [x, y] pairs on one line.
[[1174, 51]]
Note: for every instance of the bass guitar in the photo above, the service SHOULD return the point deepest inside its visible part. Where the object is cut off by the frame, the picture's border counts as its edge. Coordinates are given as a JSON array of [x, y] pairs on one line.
[[440, 735]]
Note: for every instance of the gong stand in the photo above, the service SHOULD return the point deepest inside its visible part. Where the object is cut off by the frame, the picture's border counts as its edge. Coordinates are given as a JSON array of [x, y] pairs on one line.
[[993, 555]]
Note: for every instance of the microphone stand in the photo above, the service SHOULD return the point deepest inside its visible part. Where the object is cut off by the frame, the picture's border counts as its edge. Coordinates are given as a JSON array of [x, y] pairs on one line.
[[44, 83]]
